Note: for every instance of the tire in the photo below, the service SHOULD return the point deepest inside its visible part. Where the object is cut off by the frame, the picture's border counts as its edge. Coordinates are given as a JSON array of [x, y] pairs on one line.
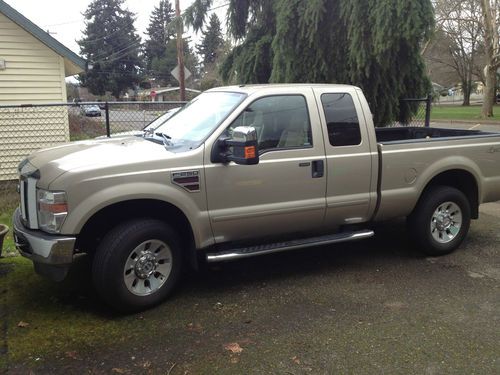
[[441, 220], [137, 265]]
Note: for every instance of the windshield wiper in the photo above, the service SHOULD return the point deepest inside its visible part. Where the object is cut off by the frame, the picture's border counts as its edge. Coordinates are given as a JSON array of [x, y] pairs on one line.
[[166, 139]]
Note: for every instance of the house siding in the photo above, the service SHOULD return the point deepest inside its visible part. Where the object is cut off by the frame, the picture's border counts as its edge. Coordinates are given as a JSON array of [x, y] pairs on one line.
[[34, 74]]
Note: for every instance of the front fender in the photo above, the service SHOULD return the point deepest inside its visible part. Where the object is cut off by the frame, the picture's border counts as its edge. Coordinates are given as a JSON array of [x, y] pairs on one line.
[[193, 205]]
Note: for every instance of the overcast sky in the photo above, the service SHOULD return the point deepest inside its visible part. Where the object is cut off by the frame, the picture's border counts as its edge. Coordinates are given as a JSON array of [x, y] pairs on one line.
[[64, 20]]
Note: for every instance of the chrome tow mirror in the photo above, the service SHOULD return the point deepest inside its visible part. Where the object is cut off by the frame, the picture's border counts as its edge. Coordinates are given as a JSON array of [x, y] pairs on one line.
[[241, 148]]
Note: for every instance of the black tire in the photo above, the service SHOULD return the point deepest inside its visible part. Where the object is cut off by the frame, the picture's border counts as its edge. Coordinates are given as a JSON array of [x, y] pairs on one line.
[[419, 222], [111, 257]]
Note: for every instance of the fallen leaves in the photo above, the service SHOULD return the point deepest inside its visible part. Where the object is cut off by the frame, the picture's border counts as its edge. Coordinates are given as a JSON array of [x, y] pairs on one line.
[[233, 347]]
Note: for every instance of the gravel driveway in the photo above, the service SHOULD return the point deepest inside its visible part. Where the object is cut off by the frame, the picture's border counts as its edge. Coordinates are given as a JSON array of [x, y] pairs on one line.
[[372, 307]]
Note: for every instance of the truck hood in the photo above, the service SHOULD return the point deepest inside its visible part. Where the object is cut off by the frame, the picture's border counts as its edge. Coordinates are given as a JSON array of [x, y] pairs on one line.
[[95, 154]]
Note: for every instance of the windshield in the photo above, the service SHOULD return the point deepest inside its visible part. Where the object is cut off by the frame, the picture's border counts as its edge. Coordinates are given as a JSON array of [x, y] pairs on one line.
[[160, 120], [197, 119]]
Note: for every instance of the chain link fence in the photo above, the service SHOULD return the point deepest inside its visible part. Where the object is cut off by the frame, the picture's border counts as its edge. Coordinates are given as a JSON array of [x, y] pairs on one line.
[[26, 128], [415, 112]]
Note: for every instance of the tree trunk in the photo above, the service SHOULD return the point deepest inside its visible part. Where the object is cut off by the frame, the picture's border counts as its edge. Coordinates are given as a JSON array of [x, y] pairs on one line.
[[466, 89], [489, 94], [492, 53]]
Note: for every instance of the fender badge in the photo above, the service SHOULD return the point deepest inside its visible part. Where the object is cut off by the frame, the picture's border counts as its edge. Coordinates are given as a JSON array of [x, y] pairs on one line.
[[188, 180]]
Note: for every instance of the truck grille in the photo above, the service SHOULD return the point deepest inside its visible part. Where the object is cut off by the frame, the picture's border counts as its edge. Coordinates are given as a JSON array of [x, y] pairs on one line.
[[23, 198], [27, 191]]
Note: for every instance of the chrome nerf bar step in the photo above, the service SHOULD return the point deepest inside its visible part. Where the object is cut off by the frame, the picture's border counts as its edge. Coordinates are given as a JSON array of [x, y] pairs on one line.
[[251, 251]]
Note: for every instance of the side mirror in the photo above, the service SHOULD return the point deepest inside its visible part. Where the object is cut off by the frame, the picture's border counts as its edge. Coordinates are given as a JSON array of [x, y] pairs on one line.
[[242, 148]]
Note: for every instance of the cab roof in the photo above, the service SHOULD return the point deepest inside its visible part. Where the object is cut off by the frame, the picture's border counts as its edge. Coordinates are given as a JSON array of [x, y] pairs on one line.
[[252, 88]]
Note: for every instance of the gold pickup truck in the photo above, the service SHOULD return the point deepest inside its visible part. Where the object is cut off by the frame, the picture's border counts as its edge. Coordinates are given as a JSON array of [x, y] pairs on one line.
[[245, 171]]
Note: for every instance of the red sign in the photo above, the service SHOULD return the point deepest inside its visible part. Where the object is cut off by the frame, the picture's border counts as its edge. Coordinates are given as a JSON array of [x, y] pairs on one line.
[[153, 94]]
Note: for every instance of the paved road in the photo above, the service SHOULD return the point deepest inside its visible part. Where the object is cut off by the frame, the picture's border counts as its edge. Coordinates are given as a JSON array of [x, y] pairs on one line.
[[373, 307], [138, 119]]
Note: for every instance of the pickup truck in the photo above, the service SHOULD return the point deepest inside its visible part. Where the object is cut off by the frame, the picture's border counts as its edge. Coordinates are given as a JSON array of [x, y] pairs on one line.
[[244, 171]]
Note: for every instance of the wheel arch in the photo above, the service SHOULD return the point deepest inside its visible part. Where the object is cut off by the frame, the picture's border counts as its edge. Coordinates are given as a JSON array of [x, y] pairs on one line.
[[460, 179], [114, 214]]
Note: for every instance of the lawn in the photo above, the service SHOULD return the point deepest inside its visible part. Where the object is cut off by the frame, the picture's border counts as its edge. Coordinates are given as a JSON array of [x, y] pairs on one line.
[[452, 112], [8, 202], [55, 320], [52, 313]]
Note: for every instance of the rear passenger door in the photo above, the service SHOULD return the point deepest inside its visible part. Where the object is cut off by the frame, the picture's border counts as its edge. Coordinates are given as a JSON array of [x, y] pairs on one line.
[[351, 186]]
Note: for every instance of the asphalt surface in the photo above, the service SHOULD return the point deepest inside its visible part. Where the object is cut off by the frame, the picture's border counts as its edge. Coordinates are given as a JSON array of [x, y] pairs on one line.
[[372, 307]]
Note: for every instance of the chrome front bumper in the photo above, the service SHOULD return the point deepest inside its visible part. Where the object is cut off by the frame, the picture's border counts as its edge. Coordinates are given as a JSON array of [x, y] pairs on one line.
[[41, 247]]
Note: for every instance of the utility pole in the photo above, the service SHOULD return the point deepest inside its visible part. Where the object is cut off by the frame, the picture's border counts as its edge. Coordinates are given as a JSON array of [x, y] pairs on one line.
[[180, 51]]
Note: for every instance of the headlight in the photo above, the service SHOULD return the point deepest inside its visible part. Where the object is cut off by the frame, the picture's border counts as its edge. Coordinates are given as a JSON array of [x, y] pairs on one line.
[[52, 210]]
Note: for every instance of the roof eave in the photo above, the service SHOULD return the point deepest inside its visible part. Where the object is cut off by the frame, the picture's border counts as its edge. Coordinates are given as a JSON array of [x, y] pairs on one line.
[[16, 17]]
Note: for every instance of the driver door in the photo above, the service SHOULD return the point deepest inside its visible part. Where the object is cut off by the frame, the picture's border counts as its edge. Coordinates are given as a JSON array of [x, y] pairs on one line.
[[285, 192]]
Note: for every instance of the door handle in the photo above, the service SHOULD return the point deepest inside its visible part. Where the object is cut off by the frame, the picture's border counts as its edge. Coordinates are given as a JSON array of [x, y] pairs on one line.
[[318, 168]]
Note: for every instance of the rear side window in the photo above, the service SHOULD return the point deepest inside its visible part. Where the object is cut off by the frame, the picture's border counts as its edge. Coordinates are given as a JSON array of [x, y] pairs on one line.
[[341, 120]]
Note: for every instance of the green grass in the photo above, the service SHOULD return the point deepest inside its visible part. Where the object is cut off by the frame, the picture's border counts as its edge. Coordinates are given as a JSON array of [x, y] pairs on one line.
[[9, 200], [451, 112], [61, 317]]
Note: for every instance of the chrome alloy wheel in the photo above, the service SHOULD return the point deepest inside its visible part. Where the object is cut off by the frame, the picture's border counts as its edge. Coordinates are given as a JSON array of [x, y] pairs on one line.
[[446, 222], [147, 268]]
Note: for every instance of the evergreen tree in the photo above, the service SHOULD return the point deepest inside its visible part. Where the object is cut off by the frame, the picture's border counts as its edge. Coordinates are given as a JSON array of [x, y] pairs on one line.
[[162, 66], [159, 31], [111, 45], [212, 41], [374, 44], [160, 49]]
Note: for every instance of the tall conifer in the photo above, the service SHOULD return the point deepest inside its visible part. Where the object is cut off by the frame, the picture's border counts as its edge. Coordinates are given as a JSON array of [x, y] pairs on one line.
[[374, 44], [159, 32], [111, 46]]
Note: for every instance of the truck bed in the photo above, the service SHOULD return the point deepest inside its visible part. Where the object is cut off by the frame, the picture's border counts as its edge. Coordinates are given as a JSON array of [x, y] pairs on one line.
[[405, 134], [410, 157]]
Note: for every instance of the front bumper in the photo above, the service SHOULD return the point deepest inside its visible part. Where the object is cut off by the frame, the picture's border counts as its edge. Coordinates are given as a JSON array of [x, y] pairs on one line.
[[42, 248]]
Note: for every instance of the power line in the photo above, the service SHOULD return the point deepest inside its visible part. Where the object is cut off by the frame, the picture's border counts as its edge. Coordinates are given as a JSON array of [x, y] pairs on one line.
[[217, 7], [105, 55], [62, 23], [113, 54]]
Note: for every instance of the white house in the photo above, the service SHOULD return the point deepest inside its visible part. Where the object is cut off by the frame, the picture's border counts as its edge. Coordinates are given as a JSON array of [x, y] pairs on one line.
[[33, 67]]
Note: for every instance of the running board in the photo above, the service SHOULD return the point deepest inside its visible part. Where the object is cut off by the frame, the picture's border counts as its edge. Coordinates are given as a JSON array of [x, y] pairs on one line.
[[251, 251]]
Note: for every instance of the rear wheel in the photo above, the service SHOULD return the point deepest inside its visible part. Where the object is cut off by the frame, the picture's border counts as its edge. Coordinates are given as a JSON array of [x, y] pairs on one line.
[[137, 264], [440, 221]]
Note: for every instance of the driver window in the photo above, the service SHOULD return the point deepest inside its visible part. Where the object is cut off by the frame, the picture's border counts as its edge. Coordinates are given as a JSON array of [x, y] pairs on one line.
[[281, 122]]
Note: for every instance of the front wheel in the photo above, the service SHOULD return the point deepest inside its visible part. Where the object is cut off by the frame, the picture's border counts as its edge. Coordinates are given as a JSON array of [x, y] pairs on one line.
[[440, 221], [137, 264]]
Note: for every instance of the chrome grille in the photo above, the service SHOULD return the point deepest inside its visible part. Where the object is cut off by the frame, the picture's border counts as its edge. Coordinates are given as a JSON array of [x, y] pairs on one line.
[[23, 200], [27, 190]]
